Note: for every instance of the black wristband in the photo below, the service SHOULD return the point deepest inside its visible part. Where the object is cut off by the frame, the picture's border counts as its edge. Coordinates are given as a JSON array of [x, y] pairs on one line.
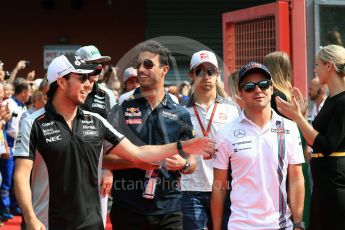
[[300, 225], [179, 149]]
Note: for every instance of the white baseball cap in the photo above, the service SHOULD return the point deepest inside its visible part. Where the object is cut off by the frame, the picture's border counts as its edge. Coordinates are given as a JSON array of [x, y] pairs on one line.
[[202, 57], [91, 54], [128, 73], [65, 64]]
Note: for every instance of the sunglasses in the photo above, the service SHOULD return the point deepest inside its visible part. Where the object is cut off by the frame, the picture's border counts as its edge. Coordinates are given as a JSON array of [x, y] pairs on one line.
[[82, 77], [250, 86], [147, 63], [202, 72]]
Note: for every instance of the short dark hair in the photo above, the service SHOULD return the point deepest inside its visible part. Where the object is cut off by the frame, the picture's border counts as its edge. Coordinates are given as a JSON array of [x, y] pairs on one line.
[[52, 89], [20, 87], [155, 47]]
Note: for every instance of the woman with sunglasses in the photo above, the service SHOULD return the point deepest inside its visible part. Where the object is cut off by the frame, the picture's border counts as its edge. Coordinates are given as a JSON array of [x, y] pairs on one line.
[[327, 138]]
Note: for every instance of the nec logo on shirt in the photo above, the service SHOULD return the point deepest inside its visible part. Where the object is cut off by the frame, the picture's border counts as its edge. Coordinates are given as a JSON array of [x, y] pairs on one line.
[[53, 139]]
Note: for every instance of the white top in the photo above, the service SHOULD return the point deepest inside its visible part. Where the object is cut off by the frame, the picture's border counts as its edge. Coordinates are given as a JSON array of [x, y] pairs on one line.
[[315, 110], [258, 195], [202, 178], [16, 110]]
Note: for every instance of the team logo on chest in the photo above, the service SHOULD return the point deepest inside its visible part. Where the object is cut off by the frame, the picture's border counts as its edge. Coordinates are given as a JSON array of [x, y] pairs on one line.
[[134, 121], [172, 116], [239, 133], [53, 139], [133, 112], [280, 131], [223, 116]]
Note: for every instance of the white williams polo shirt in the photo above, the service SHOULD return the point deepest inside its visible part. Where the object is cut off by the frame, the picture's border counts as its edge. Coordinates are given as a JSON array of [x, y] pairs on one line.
[[259, 164]]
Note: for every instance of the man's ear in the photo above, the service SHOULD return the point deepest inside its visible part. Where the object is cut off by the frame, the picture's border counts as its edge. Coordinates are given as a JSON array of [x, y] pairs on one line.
[[191, 76], [165, 70], [61, 83]]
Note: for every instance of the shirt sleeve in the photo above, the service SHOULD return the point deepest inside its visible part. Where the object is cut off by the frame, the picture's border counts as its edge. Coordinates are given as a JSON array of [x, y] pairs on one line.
[[335, 134], [187, 129], [111, 135], [107, 146], [295, 149], [111, 98], [26, 141], [222, 158]]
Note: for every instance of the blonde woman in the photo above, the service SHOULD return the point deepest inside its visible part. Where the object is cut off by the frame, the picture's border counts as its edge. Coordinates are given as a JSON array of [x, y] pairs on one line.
[[279, 66], [327, 138]]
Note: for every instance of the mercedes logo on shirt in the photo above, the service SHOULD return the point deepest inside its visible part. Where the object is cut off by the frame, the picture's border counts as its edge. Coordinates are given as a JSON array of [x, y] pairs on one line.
[[239, 133]]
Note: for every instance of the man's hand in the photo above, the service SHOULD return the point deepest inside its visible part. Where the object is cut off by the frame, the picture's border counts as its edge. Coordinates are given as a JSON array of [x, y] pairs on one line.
[[106, 182], [174, 163], [20, 65], [203, 146], [35, 224], [5, 112]]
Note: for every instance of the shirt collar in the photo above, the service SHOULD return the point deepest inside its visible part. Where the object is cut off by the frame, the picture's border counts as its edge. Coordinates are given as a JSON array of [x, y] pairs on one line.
[[95, 87], [191, 101], [19, 103], [49, 107], [166, 102], [275, 117]]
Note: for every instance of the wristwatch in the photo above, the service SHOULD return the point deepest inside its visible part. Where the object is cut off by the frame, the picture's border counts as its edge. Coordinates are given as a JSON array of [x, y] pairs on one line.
[[185, 167], [299, 225]]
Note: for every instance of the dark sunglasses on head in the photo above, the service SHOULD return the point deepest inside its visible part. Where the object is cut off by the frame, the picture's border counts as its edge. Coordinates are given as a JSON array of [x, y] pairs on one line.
[[147, 63], [202, 72], [250, 86], [82, 77]]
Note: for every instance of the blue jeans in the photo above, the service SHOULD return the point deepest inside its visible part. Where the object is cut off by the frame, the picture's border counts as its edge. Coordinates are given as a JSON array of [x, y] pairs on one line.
[[7, 168], [196, 210]]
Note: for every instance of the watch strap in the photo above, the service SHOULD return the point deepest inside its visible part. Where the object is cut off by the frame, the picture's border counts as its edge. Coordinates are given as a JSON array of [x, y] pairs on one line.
[[179, 149]]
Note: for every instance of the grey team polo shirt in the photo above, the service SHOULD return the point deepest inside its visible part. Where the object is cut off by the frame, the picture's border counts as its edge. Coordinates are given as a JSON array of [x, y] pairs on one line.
[[64, 180]]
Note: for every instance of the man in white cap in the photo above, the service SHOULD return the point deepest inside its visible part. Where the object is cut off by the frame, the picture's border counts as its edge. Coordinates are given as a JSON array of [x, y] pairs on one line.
[[59, 148], [130, 79], [100, 100], [209, 111], [130, 83]]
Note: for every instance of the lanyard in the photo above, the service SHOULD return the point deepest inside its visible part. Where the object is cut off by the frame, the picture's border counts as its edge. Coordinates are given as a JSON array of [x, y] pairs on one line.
[[205, 132]]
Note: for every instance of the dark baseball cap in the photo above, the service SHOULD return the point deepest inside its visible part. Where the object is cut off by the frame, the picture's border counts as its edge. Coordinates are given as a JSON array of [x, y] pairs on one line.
[[253, 67]]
